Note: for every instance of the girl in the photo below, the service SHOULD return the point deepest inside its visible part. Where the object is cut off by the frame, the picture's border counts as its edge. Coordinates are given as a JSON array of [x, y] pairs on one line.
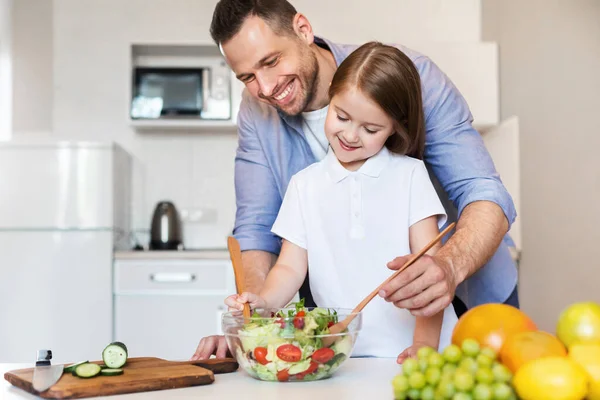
[[369, 199]]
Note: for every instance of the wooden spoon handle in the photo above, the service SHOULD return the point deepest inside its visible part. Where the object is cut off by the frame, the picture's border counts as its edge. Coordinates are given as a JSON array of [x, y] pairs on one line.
[[238, 269], [216, 365], [424, 250]]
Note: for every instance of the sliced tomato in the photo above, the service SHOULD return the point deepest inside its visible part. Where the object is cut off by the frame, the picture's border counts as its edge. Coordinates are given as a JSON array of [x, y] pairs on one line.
[[281, 322], [283, 375], [289, 353], [330, 324], [311, 368], [322, 355], [299, 322], [260, 353]]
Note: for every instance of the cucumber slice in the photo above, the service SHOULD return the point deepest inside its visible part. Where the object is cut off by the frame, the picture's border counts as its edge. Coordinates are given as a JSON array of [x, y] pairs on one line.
[[338, 358], [115, 355], [111, 371], [71, 367], [120, 344], [87, 370]]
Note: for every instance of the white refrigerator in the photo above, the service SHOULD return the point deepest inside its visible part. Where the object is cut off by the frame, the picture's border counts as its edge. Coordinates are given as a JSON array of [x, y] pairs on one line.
[[64, 209]]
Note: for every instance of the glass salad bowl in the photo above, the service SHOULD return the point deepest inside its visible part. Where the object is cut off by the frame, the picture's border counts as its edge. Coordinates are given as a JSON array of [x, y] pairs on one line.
[[287, 344]]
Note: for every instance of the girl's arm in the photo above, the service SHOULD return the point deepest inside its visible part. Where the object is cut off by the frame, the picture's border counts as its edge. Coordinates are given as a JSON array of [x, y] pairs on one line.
[[286, 276], [282, 283], [427, 329]]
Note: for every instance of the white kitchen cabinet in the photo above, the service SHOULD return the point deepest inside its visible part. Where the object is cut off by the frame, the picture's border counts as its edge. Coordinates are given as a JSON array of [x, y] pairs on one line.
[[163, 307]]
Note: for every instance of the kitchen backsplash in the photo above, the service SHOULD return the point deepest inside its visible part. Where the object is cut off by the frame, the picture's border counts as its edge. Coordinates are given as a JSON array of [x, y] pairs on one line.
[[196, 174]]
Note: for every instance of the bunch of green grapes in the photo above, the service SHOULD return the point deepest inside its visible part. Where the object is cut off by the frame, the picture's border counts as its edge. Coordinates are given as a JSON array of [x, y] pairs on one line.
[[468, 372]]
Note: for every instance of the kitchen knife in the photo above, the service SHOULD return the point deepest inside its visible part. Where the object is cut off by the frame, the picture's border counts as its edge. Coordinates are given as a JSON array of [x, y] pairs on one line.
[[45, 374]]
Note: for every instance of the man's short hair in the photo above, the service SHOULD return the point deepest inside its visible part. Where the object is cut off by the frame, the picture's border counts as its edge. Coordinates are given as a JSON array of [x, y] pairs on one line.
[[229, 15]]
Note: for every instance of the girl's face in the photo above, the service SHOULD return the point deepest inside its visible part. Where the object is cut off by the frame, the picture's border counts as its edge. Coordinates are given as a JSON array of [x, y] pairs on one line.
[[356, 128]]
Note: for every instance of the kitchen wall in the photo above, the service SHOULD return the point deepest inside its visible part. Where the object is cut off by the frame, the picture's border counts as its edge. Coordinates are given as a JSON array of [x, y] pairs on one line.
[[549, 63], [86, 44], [32, 66], [5, 69], [406, 21]]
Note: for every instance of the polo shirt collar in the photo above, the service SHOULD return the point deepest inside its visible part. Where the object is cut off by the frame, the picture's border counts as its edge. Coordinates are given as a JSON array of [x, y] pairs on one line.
[[372, 167]]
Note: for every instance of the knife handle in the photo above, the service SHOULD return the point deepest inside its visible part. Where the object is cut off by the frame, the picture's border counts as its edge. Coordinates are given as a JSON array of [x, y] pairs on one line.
[[43, 357]]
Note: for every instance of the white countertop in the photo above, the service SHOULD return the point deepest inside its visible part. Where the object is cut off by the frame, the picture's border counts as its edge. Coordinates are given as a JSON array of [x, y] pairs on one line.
[[213, 254], [216, 254], [357, 378]]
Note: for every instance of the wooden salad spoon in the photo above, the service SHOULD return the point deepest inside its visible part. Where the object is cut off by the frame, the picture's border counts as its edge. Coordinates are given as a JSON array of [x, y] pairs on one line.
[[343, 325], [238, 270]]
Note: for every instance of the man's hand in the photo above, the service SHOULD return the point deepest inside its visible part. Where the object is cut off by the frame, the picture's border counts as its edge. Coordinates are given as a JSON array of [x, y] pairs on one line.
[[425, 288], [210, 345]]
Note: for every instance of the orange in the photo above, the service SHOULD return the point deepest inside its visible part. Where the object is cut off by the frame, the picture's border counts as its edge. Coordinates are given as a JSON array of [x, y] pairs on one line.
[[491, 324], [579, 322], [526, 346]]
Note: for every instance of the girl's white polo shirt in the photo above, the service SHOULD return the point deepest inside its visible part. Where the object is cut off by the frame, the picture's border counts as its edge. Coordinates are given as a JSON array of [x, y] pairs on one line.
[[352, 223]]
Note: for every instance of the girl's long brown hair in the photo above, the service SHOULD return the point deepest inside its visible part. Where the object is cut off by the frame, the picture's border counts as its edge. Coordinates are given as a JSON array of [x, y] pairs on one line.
[[388, 77]]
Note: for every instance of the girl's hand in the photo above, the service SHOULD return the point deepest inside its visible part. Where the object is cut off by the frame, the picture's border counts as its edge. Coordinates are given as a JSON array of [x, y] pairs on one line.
[[236, 302], [411, 352]]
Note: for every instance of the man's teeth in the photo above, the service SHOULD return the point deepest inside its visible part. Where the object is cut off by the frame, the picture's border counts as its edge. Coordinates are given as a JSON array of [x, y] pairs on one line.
[[285, 93]]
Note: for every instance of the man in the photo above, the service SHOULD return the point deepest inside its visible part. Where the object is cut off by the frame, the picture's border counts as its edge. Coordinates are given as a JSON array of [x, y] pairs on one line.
[[287, 71]]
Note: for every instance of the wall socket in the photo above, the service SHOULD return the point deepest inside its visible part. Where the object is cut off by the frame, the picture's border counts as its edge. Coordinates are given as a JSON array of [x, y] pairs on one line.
[[199, 215]]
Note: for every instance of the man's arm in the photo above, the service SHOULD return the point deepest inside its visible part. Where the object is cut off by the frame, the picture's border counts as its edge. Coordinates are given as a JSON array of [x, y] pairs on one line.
[[461, 163], [464, 167], [428, 286], [257, 264], [479, 232], [257, 200]]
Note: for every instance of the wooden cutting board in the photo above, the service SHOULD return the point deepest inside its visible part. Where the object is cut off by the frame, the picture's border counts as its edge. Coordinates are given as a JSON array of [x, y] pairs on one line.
[[139, 375]]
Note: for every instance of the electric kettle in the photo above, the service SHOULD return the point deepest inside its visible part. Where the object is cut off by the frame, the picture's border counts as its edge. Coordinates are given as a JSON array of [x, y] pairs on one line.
[[165, 232]]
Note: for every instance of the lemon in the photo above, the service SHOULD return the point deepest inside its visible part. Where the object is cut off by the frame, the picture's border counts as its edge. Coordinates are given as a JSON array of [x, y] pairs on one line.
[[588, 356], [594, 392], [551, 378], [579, 322]]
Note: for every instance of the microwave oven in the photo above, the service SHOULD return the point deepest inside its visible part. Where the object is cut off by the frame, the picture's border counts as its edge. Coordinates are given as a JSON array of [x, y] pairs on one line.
[[190, 92]]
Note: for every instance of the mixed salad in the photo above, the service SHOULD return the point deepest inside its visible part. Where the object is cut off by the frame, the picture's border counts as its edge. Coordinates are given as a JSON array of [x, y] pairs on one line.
[[286, 347]]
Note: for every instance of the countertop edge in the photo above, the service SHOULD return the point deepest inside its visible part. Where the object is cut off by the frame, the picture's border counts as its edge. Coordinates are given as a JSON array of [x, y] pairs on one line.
[[216, 254]]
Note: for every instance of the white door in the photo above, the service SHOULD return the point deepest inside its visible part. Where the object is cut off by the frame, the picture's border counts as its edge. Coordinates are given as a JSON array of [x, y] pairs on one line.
[[55, 293]]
